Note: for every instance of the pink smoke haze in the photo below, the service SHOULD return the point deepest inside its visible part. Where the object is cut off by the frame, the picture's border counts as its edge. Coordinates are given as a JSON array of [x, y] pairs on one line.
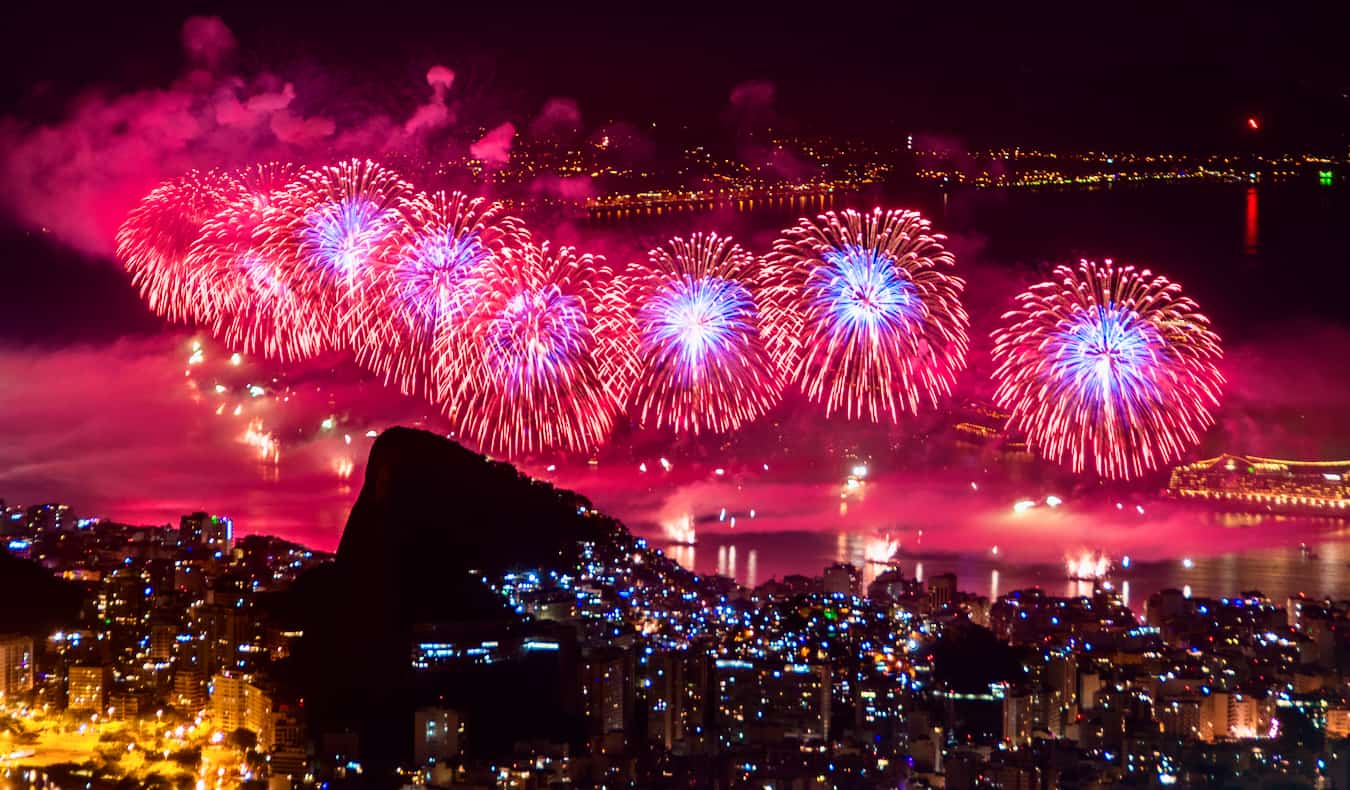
[[434, 114], [752, 95], [207, 41], [494, 148], [77, 177], [120, 431], [559, 116]]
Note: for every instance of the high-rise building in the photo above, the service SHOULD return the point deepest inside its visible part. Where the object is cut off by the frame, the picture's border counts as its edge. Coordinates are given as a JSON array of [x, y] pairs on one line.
[[219, 533], [190, 528], [607, 691], [1225, 716], [738, 699], [288, 742], [1018, 718], [204, 529], [942, 589], [1338, 723], [87, 687], [49, 517], [223, 629], [163, 637], [437, 735], [796, 700], [16, 665], [842, 579], [1180, 717], [237, 703], [189, 689], [768, 703], [663, 682]]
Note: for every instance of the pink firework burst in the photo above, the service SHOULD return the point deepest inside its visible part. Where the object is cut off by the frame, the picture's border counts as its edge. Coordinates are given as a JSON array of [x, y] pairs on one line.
[[418, 288], [1109, 367], [704, 366], [865, 314], [532, 370], [154, 240]]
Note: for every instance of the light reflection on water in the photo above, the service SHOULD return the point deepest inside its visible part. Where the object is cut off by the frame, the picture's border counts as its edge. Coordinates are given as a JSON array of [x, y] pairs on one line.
[[1319, 569]]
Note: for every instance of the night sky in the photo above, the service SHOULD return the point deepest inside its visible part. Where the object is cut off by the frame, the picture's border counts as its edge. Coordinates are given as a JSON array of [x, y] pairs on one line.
[[91, 402], [1169, 75]]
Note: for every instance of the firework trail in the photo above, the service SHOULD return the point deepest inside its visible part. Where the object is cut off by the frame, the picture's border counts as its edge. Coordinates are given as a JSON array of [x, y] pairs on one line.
[[418, 287], [531, 370], [1107, 366], [154, 240], [704, 364], [233, 270], [864, 314], [322, 236]]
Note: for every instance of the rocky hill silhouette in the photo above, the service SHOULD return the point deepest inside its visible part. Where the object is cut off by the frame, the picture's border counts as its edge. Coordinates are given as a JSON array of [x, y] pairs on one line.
[[432, 519]]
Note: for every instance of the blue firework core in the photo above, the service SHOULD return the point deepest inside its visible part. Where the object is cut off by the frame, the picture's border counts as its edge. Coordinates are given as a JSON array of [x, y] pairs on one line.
[[448, 252], [438, 264], [865, 291], [344, 233], [1108, 352], [698, 319], [536, 334]]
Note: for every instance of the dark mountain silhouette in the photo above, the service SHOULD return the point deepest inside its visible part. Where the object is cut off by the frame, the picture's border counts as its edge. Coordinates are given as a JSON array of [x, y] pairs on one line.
[[40, 603], [431, 521]]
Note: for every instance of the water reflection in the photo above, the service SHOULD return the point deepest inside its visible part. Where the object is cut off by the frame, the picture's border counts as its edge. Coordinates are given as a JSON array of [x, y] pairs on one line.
[[1315, 569], [1251, 236]]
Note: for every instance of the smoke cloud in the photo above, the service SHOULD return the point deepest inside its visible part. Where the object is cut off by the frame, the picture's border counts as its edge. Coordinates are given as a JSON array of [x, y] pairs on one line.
[[560, 117], [77, 177], [494, 148], [207, 41], [434, 114]]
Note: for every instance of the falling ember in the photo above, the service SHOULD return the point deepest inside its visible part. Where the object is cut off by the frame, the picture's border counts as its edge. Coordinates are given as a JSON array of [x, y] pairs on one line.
[[681, 532], [881, 551], [342, 467], [1087, 566], [267, 446]]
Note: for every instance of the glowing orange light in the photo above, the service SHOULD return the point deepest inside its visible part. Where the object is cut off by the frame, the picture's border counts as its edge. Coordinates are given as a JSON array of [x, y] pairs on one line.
[[1252, 123]]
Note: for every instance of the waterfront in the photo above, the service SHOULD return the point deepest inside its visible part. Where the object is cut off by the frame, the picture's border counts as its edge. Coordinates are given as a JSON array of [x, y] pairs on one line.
[[1277, 571]]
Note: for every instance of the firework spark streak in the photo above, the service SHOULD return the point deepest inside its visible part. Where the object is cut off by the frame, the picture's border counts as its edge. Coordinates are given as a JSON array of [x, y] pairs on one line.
[[233, 271], [704, 365], [532, 371], [416, 292], [1108, 366], [865, 315], [154, 240]]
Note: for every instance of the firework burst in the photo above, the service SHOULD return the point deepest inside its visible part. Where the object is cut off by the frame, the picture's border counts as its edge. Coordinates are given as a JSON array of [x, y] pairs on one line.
[[704, 365], [234, 269], [531, 372], [1107, 366], [154, 240], [416, 292], [324, 233], [865, 314]]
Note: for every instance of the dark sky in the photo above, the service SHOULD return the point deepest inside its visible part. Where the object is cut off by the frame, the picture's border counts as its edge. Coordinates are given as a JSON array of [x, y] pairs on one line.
[[1174, 75]]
